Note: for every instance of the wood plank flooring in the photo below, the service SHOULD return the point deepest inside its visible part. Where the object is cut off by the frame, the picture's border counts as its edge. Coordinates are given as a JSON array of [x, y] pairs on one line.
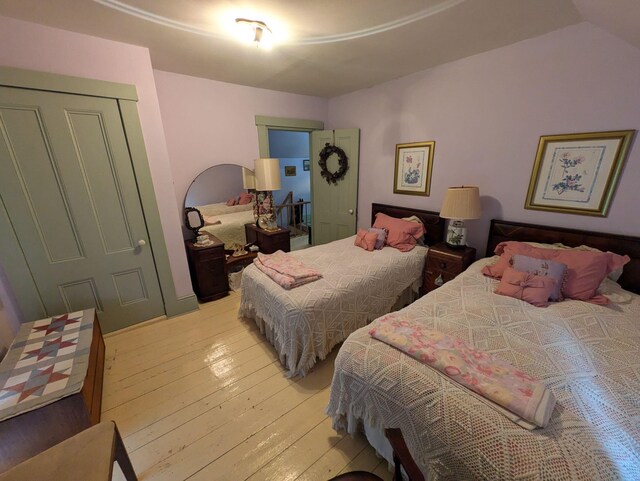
[[203, 397]]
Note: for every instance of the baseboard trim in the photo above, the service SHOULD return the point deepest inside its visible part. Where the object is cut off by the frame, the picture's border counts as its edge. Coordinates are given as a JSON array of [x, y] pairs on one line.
[[182, 305]]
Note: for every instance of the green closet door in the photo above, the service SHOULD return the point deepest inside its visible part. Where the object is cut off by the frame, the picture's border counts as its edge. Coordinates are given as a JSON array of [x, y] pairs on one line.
[[334, 205], [68, 186]]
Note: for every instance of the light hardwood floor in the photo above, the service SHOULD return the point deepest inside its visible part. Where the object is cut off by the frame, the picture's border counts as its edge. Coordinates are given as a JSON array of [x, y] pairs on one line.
[[203, 397]]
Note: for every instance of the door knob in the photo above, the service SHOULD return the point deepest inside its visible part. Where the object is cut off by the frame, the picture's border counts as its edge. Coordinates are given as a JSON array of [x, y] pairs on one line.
[[351, 211], [142, 242]]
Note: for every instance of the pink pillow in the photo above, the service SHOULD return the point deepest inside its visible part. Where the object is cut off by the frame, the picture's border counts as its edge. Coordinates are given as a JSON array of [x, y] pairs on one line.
[[245, 199], [231, 202], [585, 269], [402, 234], [366, 240], [526, 286]]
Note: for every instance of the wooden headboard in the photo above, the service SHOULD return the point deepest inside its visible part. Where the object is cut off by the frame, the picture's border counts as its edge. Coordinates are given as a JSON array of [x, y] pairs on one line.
[[431, 220], [502, 230]]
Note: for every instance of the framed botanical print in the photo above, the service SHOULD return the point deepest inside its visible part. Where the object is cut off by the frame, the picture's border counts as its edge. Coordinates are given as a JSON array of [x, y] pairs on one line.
[[577, 173], [414, 162]]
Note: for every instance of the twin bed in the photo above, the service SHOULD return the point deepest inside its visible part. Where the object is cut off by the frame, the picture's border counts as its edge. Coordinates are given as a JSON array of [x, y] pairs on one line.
[[304, 324], [232, 219], [587, 354]]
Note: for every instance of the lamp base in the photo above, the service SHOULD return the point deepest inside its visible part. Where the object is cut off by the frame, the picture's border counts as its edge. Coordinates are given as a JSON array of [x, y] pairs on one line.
[[456, 235]]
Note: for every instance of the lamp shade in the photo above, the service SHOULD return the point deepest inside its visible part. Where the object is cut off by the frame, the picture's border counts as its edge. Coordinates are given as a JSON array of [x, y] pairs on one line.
[[248, 179], [267, 174], [461, 203]]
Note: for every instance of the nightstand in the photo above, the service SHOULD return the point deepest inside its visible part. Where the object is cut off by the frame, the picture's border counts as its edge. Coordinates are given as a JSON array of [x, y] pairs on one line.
[[207, 265], [444, 263], [268, 241]]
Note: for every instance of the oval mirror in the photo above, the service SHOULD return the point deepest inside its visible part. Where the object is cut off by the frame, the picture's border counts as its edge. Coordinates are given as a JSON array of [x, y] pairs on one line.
[[223, 194]]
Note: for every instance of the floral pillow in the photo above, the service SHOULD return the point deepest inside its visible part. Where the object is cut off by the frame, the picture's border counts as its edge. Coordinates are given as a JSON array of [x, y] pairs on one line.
[[543, 267], [231, 202], [366, 240], [526, 286], [382, 237]]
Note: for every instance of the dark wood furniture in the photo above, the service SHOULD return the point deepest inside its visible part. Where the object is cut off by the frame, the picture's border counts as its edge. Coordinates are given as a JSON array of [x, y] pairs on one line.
[[207, 265], [89, 456], [30, 433], [444, 263], [431, 220], [401, 458], [268, 241], [620, 244], [242, 261]]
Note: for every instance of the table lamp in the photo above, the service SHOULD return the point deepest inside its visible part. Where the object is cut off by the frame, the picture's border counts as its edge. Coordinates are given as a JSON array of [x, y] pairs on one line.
[[267, 179], [460, 204]]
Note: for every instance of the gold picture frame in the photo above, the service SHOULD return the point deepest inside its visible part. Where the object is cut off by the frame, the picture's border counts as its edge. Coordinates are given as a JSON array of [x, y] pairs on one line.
[[414, 163], [578, 173]]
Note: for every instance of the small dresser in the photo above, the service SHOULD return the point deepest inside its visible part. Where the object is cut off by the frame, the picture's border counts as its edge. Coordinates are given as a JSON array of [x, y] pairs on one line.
[[444, 263], [207, 265], [268, 241]]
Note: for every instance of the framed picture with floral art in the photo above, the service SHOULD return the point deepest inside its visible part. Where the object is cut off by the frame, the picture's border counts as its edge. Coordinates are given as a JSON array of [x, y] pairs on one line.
[[414, 163], [577, 173]]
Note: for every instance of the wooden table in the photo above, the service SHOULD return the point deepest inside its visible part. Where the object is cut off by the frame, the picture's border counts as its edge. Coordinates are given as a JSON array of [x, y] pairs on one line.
[[28, 434]]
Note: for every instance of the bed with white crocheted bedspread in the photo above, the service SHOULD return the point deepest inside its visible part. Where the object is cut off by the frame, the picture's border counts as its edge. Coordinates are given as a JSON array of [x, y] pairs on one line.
[[588, 355], [357, 286], [230, 230]]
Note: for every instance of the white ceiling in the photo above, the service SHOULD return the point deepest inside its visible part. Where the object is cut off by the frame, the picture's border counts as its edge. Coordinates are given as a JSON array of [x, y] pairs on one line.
[[327, 47]]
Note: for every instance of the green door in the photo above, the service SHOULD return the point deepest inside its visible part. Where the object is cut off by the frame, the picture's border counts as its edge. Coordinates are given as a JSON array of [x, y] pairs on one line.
[[68, 186], [334, 205]]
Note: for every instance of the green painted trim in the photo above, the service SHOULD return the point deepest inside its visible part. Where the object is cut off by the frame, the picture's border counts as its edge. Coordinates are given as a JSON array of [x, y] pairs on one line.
[[183, 305], [283, 123], [31, 79], [129, 111], [264, 124], [17, 271], [263, 142]]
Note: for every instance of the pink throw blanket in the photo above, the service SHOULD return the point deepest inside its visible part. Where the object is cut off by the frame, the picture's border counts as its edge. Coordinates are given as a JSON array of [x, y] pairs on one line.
[[481, 372], [285, 269]]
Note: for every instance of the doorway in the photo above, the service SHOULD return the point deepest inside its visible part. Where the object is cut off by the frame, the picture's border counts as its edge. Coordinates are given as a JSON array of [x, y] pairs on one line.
[[293, 201]]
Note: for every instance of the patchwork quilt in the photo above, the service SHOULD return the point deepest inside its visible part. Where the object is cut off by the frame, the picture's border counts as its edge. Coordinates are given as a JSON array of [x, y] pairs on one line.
[[357, 286], [587, 355], [47, 361]]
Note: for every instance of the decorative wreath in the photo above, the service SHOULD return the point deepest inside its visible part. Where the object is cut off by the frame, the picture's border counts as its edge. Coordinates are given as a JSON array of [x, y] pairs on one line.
[[327, 152]]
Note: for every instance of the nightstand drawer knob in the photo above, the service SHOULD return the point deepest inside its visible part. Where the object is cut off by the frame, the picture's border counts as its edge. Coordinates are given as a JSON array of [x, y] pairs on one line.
[[439, 280], [443, 265]]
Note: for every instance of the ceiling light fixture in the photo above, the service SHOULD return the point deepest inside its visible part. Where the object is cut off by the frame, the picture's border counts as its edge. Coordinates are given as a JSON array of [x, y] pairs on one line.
[[255, 31]]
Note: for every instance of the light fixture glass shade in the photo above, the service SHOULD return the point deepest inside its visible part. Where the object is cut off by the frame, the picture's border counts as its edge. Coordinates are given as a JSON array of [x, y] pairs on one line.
[[248, 179], [461, 203], [267, 174]]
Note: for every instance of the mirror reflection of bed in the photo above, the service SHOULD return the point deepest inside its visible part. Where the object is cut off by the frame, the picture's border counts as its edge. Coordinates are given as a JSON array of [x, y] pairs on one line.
[[220, 193]]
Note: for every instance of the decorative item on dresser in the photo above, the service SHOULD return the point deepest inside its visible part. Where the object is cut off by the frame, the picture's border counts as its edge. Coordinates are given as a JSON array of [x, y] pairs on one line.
[[50, 384], [268, 241], [444, 263], [267, 179], [207, 264], [460, 204]]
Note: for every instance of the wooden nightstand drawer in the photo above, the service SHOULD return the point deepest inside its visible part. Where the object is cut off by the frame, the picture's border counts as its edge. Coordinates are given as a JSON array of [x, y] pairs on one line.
[[444, 263]]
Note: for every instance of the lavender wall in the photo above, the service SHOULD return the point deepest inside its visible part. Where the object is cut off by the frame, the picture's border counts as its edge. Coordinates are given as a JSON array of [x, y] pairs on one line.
[[486, 114], [208, 122], [36, 47]]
